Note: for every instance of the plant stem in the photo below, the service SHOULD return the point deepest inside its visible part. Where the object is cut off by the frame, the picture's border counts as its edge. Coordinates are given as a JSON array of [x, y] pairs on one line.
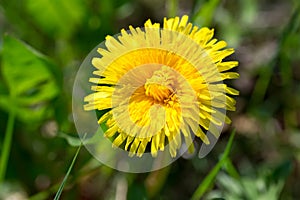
[[7, 144]]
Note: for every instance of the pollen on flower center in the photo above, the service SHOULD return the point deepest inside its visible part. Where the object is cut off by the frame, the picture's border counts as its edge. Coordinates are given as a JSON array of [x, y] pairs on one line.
[[161, 86]]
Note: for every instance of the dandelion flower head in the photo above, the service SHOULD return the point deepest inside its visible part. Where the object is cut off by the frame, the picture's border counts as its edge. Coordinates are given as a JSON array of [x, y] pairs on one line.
[[161, 87]]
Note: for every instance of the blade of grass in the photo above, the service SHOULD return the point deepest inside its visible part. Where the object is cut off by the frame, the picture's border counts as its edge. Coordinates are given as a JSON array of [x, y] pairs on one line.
[[208, 180], [230, 168], [172, 8], [90, 168], [194, 7], [7, 144], [265, 74], [205, 14], [61, 187]]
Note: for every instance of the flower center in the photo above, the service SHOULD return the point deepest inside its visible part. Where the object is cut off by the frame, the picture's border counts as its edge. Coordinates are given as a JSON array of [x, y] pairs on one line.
[[161, 85]]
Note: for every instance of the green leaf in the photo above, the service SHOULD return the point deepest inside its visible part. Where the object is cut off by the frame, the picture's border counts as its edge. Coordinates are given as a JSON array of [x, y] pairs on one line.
[[260, 187], [55, 17], [76, 142], [27, 75], [72, 141]]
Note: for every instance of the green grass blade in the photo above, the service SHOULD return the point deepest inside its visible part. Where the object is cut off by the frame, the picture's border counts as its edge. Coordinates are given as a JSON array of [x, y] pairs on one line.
[[204, 15], [172, 8], [61, 187], [7, 144], [232, 171], [209, 179], [265, 74]]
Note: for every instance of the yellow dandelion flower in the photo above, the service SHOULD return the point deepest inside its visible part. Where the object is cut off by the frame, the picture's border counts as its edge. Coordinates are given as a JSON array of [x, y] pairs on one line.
[[162, 86]]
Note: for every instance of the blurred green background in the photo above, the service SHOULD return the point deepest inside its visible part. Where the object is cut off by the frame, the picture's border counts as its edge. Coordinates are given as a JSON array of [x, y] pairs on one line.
[[43, 43]]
